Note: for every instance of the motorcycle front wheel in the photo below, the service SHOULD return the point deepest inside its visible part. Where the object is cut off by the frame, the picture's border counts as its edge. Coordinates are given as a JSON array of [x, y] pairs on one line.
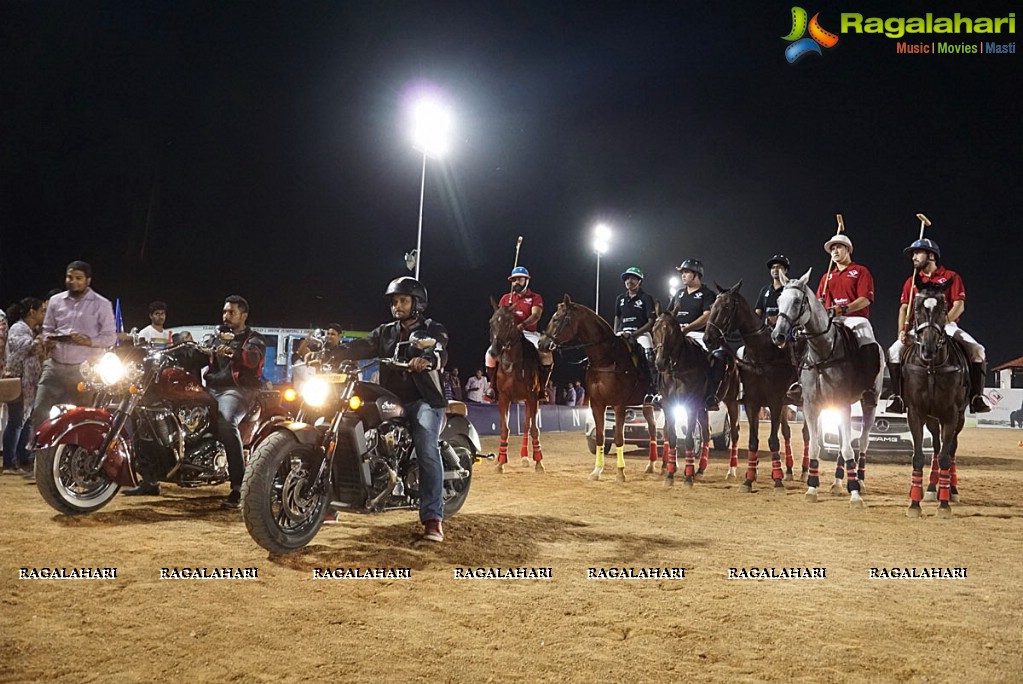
[[65, 478], [280, 505]]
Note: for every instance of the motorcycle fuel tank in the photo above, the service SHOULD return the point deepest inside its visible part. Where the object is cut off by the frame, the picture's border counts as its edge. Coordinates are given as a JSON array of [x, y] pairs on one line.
[[178, 385], [378, 404]]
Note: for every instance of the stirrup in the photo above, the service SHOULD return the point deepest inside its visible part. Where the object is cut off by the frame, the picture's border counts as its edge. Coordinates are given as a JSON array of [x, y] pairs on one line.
[[896, 405], [794, 394]]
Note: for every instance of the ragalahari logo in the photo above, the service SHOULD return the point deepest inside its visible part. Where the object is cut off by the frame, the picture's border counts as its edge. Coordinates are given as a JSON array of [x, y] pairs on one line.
[[801, 46]]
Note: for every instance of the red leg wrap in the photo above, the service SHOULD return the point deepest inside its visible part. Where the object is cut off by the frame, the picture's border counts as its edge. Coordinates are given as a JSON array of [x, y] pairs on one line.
[[653, 450], [524, 452], [704, 457], [954, 474], [916, 486], [776, 472], [502, 453], [751, 466], [537, 450], [934, 470], [733, 459], [690, 464], [944, 480]]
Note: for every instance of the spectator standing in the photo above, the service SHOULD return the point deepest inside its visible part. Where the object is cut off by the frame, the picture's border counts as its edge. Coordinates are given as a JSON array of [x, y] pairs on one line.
[[570, 395], [456, 385], [154, 333], [477, 387], [580, 394]]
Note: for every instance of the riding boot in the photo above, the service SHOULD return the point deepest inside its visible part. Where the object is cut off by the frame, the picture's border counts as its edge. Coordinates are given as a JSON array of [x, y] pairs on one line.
[[895, 404], [978, 403], [492, 379], [871, 364], [715, 379]]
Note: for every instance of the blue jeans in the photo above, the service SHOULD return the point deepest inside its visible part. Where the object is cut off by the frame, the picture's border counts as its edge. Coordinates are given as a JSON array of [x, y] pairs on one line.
[[426, 422], [58, 384], [232, 405], [16, 436]]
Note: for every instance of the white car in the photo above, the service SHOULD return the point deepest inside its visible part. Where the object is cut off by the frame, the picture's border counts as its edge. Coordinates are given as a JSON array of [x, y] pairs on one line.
[[637, 434], [889, 435]]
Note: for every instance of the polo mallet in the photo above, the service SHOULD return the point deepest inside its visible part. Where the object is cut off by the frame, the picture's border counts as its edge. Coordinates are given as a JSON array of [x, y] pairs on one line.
[[831, 262], [518, 246], [924, 222]]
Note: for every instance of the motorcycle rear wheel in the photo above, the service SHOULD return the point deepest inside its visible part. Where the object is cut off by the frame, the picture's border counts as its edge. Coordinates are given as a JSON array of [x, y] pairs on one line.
[[280, 511], [456, 492], [64, 478]]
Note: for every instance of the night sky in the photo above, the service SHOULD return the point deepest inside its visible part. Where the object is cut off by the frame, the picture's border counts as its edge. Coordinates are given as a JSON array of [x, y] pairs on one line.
[[194, 150]]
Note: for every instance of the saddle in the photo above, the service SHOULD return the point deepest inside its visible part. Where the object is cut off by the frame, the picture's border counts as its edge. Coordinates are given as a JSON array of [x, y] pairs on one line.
[[637, 355]]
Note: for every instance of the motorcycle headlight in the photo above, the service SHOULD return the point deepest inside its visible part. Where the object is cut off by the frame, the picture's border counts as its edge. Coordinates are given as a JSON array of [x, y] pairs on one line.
[[315, 391], [110, 369]]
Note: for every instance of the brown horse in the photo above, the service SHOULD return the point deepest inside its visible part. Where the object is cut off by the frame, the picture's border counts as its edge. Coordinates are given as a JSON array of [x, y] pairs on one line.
[[517, 379], [766, 373], [683, 367], [612, 378]]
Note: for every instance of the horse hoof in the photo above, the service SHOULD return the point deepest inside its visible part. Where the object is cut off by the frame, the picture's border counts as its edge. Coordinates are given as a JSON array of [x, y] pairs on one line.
[[788, 477], [500, 469], [802, 477], [745, 489], [837, 489], [699, 477], [688, 482], [595, 475], [944, 512], [811, 497], [540, 470], [863, 487], [779, 490], [857, 503], [669, 482], [914, 512], [955, 498], [649, 468], [620, 479], [525, 462], [930, 496]]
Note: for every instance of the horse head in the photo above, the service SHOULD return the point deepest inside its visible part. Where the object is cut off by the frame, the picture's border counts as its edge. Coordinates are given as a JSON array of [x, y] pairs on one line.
[[667, 337], [562, 326], [795, 308], [504, 332], [930, 313], [724, 314]]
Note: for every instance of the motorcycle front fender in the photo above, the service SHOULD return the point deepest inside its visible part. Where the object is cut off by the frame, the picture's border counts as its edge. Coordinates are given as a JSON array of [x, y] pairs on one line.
[[459, 425], [303, 432], [88, 427]]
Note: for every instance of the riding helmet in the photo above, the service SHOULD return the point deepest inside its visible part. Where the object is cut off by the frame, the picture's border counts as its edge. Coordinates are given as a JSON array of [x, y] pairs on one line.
[[925, 244], [632, 271], [409, 286], [694, 265], [519, 272], [779, 259]]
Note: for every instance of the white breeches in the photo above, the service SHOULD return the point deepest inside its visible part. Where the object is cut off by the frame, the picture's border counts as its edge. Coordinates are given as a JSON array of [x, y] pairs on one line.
[[974, 349], [644, 340], [698, 336], [531, 336], [861, 328]]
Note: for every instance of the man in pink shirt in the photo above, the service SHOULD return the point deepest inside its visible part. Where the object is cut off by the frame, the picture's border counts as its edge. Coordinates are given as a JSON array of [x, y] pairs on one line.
[[79, 326]]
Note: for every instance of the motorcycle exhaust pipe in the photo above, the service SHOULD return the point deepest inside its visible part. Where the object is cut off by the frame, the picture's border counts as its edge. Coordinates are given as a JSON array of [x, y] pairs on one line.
[[453, 470], [378, 499]]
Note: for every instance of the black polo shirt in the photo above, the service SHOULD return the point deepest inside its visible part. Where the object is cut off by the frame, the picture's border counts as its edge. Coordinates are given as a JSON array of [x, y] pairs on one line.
[[691, 305], [767, 301], [634, 312]]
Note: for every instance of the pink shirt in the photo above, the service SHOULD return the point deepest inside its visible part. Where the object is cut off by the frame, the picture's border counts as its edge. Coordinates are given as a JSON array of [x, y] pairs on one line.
[[91, 315]]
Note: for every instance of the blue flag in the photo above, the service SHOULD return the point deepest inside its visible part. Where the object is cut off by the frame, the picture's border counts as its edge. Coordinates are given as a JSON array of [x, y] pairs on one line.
[[118, 321]]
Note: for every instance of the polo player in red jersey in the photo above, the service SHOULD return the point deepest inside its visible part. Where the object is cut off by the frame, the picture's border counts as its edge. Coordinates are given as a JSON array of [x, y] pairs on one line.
[[926, 256], [528, 307], [847, 291]]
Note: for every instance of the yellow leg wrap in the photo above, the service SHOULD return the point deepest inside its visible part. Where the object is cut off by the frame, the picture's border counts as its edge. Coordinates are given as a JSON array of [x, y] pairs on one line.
[[620, 452], [600, 456]]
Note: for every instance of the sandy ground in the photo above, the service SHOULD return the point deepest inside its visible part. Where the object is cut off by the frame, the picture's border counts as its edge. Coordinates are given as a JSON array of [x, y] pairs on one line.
[[287, 626]]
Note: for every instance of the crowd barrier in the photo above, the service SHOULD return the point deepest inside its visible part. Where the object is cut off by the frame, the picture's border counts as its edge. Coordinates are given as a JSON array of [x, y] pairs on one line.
[[553, 418]]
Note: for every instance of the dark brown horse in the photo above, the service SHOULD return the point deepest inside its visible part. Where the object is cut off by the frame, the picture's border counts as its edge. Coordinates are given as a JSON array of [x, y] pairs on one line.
[[936, 389], [517, 379], [683, 367], [766, 373], [612, 378]]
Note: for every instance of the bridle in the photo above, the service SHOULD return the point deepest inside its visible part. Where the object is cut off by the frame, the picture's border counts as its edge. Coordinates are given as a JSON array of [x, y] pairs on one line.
[[562, 323]]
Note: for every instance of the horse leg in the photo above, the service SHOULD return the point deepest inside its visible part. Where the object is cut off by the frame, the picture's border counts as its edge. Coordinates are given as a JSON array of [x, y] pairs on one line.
[[953, 448], [670, 463], [704, 446], [811, 414], [533, 406], [753, 421], [845, 433], [690, 469], [945, 470], [786, 433], [653, 441], [916, 489], [620, 442], [597, 409], [864, 444], [502, 451], [772, 443], [933, 427]]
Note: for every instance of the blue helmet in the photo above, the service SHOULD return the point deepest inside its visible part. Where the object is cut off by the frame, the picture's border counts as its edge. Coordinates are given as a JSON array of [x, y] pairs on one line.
[[519, 272], [925, 244]]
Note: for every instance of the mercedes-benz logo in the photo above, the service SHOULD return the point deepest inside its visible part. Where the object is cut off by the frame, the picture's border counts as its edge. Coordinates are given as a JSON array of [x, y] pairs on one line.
[[882, 425]]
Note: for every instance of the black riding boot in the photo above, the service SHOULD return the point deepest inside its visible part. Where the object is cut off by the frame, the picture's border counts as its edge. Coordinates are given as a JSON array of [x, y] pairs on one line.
[[895, 404], [492, 379], [715, 379], [871, 360], [978, 404]]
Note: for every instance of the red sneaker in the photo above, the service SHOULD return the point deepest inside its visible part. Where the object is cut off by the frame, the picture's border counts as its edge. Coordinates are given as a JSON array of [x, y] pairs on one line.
[[433, 530]]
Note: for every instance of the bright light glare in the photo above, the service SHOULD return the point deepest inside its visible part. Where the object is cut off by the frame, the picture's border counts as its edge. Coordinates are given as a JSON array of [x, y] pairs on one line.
[[601, 238], [431, 127], [110, 369], [680, 415], [674, 282], [830, 420], [315, 391]]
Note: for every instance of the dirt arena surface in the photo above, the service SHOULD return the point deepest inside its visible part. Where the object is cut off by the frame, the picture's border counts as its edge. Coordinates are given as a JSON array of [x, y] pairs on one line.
[[287, 626]]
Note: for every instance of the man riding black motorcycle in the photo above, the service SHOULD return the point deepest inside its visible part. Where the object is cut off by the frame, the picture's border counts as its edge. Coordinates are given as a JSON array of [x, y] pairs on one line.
[[233, 380], [419, 389]]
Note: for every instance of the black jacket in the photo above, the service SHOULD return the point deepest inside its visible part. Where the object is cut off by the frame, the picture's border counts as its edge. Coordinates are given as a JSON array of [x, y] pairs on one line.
[[408, 386], [244, 368]]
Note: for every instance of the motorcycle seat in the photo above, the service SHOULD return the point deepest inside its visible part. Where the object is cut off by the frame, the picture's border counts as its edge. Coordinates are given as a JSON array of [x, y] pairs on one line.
[[458, 408]]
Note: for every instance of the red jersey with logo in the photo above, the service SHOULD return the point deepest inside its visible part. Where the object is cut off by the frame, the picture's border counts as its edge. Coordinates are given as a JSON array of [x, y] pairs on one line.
[[522, 304], [953, 293], [847, 286]]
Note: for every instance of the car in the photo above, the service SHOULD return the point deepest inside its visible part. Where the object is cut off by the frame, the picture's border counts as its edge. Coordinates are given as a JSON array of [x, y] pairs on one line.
[[889, 435], [638, 435]]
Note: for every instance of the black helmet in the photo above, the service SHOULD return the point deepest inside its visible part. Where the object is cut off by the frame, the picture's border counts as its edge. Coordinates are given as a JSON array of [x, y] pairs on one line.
[[694, 265], [409, 286], [925, 244], [778, 259]]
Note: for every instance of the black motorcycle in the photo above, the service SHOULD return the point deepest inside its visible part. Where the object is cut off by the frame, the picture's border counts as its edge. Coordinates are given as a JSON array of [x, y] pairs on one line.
[[350, 448]]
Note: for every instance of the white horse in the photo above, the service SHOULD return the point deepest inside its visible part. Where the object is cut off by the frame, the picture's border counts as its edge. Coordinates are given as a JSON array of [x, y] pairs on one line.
[[831, 378]]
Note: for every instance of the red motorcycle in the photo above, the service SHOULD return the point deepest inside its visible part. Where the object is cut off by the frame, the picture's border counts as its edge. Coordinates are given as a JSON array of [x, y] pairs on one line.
[[151, 420]]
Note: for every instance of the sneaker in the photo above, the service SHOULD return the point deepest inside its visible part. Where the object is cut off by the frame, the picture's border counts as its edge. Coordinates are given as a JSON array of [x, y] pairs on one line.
[[144, 489], [233, 500], [30, 472], [433, 530]]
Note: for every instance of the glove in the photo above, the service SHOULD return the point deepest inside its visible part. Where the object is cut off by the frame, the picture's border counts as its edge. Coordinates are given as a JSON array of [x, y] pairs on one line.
[[839, 310]]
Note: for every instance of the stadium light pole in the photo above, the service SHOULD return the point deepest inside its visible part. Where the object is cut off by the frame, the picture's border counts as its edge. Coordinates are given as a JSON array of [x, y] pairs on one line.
[[601, 242], [431, 131]]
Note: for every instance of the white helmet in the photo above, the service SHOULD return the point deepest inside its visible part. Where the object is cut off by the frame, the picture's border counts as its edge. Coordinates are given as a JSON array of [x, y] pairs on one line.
[[838, 240]]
